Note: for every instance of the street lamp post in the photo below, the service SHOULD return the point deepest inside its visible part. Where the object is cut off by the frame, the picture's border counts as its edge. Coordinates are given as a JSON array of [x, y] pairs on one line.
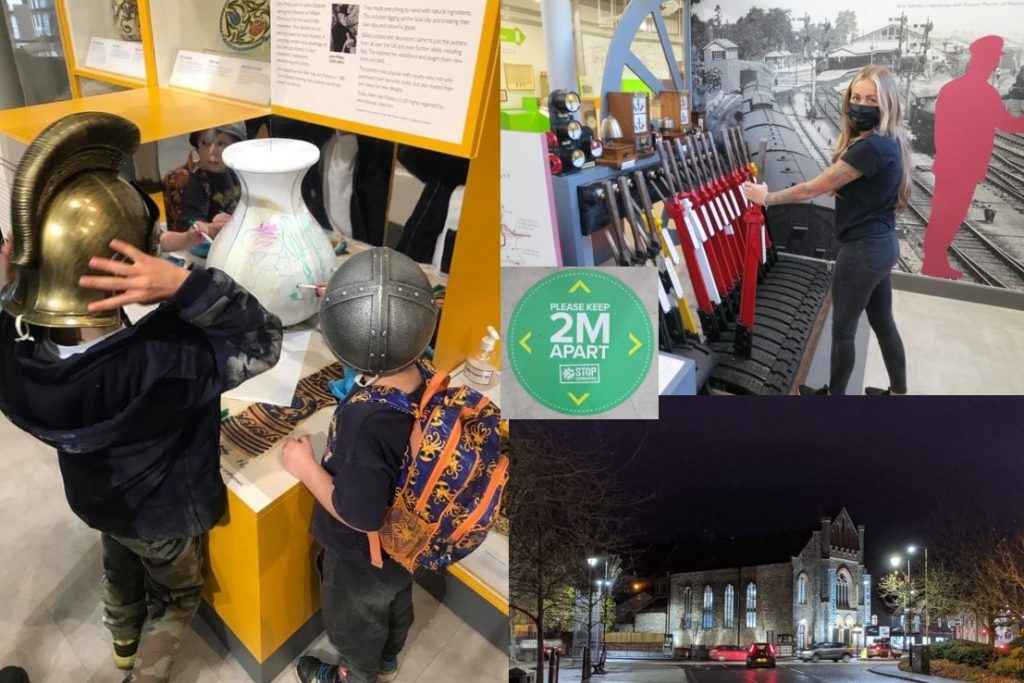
[[896, 561], [924, 608], [585, 676], [602, 585], [910, 613]]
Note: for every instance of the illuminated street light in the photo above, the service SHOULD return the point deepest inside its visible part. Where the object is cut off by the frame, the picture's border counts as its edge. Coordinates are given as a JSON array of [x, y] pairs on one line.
[[592, 562], [896, 560]]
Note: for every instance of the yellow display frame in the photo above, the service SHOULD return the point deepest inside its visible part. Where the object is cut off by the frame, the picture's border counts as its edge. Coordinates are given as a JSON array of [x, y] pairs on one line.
[[470, 309], [76, 73], [251, 555], [158, 112], [250, 552]]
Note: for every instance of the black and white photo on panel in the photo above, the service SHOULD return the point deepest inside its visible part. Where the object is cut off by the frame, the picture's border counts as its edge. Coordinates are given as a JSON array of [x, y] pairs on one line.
[[344, 28]]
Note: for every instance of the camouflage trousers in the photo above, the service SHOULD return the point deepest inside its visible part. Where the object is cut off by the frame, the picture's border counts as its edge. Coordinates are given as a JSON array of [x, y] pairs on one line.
[[150, 591]]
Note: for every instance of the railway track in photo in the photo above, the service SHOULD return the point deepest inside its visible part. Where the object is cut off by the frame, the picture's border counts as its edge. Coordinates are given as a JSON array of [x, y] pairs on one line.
[[1011, 143], [982, 259], [828, 104], [801, 129], [1007, 170]]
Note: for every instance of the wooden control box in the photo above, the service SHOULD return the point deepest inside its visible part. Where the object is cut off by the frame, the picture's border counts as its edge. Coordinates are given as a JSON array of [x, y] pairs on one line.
[[617, 155], [633, 112], [675, 105]]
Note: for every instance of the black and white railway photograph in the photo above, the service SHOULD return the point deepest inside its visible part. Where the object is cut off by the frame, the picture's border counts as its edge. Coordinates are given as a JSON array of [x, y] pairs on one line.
[[785, 80], [832, 192]]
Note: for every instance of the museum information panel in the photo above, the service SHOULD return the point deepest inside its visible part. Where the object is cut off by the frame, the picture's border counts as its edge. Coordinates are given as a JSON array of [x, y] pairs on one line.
[[402, 65]]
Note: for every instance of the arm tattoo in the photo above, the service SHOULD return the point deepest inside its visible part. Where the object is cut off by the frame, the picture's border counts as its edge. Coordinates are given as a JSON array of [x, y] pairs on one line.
[[830, 180]]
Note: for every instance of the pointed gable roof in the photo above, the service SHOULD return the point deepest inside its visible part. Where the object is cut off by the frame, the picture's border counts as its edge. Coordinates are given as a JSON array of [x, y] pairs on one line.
[[844, 533], [723, 43]]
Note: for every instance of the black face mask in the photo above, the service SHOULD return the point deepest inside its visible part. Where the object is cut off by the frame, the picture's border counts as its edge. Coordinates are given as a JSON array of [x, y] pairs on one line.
[[863, 117]]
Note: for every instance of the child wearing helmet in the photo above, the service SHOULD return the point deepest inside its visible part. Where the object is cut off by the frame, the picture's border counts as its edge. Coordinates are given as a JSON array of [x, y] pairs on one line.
[[377, 317], [133, 410]]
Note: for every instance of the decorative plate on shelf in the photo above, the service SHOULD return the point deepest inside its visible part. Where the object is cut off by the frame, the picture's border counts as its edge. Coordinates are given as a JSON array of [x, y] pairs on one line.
[[245, 24], [126, 18]]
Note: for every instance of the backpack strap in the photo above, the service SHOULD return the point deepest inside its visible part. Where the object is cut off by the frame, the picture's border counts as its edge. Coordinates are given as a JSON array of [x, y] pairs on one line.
[[436, 382], [376, 558]]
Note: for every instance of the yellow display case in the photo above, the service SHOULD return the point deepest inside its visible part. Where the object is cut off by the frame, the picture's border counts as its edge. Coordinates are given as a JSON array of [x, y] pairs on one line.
[[219, 48], [262, 593], [158, 112], [96, 47]]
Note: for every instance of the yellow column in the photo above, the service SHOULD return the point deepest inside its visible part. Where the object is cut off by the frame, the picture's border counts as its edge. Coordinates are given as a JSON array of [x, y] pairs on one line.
[[473, 299], [69, 47]]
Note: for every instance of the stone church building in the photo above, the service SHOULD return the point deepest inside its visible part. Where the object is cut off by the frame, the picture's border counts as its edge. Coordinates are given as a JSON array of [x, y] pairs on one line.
[[790, 589]]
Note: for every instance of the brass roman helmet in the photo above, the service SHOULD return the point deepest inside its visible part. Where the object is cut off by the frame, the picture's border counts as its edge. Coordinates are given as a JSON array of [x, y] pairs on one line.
[[67, 204]]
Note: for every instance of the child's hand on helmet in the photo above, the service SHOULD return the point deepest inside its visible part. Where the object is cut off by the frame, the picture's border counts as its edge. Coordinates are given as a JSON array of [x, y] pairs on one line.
[[143, 279]]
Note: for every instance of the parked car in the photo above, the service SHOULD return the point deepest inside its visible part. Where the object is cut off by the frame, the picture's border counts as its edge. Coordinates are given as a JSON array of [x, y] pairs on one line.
[[728, 653], [879, 649], [761, 654], [553, 646], [833, 651]]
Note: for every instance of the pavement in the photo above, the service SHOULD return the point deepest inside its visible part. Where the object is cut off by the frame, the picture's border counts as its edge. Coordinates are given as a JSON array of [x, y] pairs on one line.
[[787, 671], [892, 671]]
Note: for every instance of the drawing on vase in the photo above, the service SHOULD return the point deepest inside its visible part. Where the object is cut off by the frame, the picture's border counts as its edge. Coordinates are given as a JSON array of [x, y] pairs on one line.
[[272, 242]]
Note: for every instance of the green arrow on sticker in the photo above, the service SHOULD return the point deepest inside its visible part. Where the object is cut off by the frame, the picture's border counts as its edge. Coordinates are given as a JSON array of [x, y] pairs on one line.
[[513, 35]]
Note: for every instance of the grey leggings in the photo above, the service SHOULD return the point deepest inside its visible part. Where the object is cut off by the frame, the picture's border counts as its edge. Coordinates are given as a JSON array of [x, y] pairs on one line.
[[861, 281]]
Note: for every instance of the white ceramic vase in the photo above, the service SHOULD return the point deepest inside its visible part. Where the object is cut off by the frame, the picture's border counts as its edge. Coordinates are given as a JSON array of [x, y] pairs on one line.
[[272, 243]]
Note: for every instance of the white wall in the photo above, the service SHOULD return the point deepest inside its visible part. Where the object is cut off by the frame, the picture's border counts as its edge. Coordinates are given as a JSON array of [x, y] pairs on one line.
[[530, 52], [596, 40]]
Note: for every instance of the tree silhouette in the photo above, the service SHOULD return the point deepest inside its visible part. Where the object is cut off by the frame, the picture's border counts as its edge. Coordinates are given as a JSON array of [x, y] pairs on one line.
[[564, 507]]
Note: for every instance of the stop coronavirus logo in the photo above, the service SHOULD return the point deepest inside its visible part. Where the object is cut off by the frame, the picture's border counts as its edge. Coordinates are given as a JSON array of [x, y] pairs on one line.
[[580, 341]]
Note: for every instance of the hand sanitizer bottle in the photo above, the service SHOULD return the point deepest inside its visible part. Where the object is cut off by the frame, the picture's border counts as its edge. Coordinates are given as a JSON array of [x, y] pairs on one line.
[[479, 370]]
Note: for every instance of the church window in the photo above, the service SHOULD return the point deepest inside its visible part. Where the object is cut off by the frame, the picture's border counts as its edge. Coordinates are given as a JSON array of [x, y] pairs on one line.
[[843, 589]]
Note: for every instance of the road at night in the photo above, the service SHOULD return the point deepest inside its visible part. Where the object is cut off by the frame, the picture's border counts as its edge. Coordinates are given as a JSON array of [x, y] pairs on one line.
[[710, 672]]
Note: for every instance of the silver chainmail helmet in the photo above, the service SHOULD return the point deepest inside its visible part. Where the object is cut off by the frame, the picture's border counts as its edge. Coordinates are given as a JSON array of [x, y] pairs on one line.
[[378, 312]]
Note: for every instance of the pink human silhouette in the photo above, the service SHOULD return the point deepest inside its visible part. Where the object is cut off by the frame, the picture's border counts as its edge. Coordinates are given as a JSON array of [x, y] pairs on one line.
[[968, 111]]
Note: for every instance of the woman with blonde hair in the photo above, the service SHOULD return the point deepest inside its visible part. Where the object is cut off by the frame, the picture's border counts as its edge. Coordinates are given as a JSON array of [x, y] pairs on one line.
[[870, 176]]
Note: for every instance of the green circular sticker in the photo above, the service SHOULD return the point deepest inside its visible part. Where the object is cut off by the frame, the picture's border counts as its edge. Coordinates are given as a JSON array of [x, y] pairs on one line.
[[580, 341]]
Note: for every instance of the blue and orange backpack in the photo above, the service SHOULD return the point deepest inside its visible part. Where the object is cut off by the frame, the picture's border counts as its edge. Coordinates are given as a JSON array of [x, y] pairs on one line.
[[452, 479]]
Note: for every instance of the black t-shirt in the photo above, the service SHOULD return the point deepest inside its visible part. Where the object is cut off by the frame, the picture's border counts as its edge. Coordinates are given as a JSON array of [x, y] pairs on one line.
[[207, 194], [866, 207], [366, 445]]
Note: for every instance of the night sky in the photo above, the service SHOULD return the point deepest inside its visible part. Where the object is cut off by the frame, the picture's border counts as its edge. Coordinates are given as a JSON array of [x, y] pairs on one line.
[[739, 467]]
